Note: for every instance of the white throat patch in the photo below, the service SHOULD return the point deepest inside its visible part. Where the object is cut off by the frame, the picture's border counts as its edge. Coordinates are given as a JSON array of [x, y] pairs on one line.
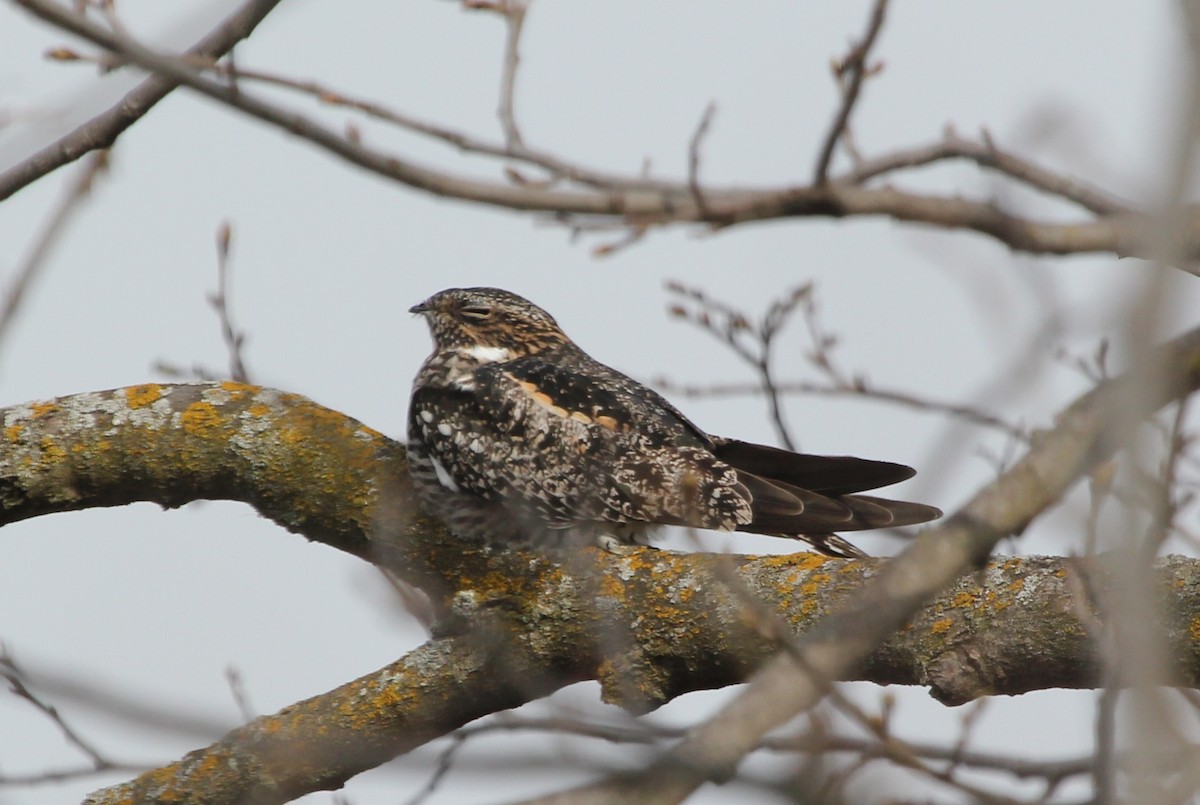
[[487, 354]]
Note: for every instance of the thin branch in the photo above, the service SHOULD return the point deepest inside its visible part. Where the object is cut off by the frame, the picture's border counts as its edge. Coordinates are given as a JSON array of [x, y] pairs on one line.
[[879, 745], [850, 72], [731, 326], [513, 12], [694, 157], [99, 761], [514, 17], [752, 341], [860, 388], [101, 131], [237, 689], [986, 154], [76, 193], [644, 202], [234, 338]]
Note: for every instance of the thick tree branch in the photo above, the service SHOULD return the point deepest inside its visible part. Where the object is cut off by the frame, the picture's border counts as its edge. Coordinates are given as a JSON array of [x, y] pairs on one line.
[[319, 743], [102, 131], [640, 202], [1086, 433], [649, 626]]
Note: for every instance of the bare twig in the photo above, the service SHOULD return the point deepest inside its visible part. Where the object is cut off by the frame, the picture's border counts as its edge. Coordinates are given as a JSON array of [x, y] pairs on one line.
[[445, 762], [514, 16], [513, 12], [986, 154], [879, 744], [694, 157], [752, 341], [850, 72], [10, 672], [76, 192], [102, 131], [645, 202], [234, 338], [732, 328], [859, 388], [237, 689]]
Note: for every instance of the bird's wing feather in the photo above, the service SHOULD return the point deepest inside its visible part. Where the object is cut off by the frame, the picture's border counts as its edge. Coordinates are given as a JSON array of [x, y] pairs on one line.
[[825, 485], [830, 475], [650, 464], [574, 381], [576, 444]]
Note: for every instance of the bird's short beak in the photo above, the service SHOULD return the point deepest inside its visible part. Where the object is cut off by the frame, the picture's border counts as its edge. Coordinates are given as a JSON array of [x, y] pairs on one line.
[[422, 307]]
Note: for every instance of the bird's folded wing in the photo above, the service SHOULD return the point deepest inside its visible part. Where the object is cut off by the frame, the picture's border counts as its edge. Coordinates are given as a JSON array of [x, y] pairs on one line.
[[829, 475]]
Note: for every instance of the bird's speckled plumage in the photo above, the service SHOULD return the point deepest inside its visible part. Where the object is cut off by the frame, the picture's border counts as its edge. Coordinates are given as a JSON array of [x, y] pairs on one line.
[[516, 434]]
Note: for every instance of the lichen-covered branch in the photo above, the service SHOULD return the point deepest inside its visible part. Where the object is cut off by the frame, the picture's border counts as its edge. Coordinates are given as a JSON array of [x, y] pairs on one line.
[[1085, 434], [649, 626], [319, 743], [310, 469]]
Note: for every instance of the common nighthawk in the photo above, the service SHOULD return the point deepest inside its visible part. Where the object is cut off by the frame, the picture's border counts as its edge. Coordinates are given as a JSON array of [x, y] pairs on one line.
[[516, 434]]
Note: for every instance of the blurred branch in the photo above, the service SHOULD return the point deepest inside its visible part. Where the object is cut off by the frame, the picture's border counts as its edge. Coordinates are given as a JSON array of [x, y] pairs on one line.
[[234, 338], [513, 13], [751, 340], [639, 202], [76, 192], [99, 762], [694, 157], [936, 761], [850, 72], [103, 130]]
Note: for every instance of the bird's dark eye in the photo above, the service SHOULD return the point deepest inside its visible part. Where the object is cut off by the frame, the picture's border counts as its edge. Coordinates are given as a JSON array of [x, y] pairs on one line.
[[477, 312]]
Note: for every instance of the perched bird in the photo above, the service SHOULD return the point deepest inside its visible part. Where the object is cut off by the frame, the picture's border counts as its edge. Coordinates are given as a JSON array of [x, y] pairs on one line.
[[516, 434]]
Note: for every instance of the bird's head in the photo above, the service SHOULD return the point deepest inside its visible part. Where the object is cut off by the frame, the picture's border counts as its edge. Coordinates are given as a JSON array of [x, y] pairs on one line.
[[489, 319]]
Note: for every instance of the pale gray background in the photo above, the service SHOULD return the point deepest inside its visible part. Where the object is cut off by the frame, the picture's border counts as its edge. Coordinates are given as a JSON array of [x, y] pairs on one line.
[[155, 606]]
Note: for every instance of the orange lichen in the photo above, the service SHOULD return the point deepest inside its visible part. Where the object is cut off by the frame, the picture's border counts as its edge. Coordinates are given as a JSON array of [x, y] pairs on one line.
[[611, 586], [235, 389], [200, 419], [51, 452], [963, 600], [941, 626], [258, 409], [42, 408], [13, 432], [804, 560], [143, 395], [1194, 629], [814, 584], [209, 763]]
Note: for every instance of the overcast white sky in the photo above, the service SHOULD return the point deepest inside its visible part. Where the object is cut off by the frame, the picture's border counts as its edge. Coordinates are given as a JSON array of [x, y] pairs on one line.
[[155, 606]]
